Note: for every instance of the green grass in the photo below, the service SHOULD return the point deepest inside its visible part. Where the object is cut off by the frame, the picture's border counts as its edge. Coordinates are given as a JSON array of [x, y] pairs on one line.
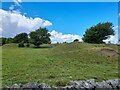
[[59, 64]]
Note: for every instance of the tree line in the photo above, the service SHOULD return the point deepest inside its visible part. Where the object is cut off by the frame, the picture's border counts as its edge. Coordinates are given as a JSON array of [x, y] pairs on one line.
[[37, 37], [95, 34]]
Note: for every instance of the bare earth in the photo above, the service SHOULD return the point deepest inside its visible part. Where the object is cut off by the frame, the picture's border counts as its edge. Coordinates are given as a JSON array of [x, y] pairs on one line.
[[109, 52]]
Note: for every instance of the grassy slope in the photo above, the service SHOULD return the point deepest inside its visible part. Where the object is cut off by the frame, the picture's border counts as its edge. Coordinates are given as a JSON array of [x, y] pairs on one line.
[[74, 61]]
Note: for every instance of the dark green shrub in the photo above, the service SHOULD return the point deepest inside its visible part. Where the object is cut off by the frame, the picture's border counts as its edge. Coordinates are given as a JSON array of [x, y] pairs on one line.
[[76, 40], [21, 44], [64, 42], [62, 83], [27, 45]]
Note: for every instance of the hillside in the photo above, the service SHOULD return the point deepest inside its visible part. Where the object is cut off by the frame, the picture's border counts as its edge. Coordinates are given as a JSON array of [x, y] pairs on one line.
[[60, 63]]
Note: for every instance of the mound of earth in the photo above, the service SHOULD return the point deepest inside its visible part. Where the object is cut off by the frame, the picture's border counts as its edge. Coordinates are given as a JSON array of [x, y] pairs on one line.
[[109, 52]]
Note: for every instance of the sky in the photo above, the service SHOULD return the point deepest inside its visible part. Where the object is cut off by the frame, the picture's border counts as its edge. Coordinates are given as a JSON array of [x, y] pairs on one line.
[[63, 0], [65, 21]]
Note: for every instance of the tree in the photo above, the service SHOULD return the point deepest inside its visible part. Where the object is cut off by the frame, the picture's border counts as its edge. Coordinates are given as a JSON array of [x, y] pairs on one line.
[[22, 37], [98, 33], [40, 36]]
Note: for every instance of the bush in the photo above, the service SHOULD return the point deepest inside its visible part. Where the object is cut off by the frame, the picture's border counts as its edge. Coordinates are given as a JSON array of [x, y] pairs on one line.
[[76, 40], [64, 42], [27, 45], [62, 83], [21, 44]]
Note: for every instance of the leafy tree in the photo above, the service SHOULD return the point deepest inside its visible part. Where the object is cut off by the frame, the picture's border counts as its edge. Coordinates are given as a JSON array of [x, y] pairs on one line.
[[40, 36], [22, 37], [98, 33]]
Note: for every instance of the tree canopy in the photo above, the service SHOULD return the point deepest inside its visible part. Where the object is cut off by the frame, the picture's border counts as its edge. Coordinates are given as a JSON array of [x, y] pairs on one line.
[[40, 36], [98, 33], [22, 37]]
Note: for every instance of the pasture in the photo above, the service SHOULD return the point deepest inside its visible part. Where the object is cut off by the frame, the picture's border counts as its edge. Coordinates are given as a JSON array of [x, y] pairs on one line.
[[58, 63]]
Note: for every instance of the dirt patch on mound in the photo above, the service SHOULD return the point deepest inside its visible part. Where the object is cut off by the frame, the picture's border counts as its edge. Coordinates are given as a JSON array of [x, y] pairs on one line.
[[109, 52]]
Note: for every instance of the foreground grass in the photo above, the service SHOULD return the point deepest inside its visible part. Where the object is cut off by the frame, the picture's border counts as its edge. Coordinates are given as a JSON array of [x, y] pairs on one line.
[[61, 63]]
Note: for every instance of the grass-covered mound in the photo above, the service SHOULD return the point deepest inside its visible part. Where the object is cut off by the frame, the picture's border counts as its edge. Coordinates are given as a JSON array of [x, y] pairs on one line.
[[59, 64]]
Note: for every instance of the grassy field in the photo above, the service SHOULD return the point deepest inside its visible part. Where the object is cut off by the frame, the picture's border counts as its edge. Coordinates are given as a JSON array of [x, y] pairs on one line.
[[57, 65]]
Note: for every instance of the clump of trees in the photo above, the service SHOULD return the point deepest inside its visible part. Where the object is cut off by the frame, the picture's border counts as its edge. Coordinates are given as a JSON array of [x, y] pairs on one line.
[[37, 37], [98, 33]]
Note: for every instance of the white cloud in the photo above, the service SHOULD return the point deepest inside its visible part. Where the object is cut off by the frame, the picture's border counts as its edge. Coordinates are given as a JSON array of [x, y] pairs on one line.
[[113, 38], [11, 7], [60, 37], [14, 23], [115, 28], [119, 14], [17, 2], [16, 11], [46, 23]]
